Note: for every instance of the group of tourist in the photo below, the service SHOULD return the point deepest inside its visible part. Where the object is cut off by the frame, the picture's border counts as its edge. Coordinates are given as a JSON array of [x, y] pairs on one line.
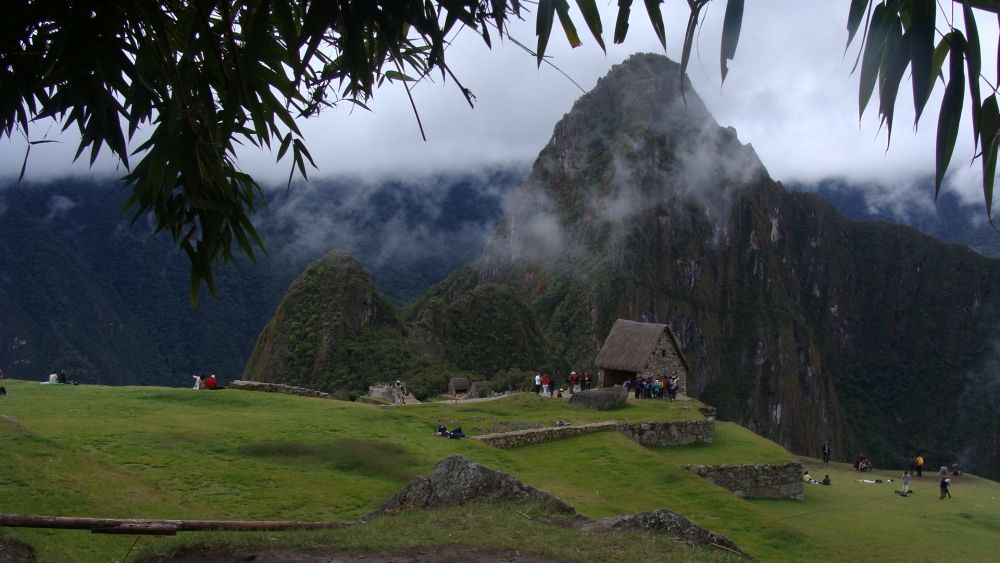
[[862, 463], [202, 381], [59, 379], [579, 381], [654, 388]]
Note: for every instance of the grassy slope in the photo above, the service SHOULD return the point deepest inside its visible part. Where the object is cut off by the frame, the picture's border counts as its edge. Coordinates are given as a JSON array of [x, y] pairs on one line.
[[174, 453]]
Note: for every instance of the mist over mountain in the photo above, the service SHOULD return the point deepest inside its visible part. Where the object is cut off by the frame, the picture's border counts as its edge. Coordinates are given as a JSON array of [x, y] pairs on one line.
[[80, 290]]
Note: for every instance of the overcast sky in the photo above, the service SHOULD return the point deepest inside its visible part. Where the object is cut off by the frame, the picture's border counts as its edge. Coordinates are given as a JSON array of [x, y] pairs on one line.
[[789, 92]]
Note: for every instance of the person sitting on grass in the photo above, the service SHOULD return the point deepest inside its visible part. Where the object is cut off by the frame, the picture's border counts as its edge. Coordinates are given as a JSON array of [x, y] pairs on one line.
[[199, 381], [826, 480], [455, 434], [211, 383], [3, 391]]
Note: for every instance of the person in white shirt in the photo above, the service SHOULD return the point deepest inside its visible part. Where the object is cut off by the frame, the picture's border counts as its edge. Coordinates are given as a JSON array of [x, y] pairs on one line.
[[538, 383]]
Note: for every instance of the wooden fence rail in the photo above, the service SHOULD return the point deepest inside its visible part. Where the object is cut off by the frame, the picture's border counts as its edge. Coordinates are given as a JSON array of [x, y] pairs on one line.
[[158, 527]]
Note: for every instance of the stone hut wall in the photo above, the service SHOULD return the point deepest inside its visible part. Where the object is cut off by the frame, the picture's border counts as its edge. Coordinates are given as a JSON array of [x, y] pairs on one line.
[[761, 480], [664, 361], [673, 433], [277, 388]]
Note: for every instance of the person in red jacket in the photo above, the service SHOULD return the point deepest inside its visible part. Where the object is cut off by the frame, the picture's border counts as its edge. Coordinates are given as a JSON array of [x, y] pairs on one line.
[[211, 383]]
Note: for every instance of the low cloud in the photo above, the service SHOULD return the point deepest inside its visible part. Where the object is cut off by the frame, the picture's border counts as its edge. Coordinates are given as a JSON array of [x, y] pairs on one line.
[[392, 220], [59, 206]]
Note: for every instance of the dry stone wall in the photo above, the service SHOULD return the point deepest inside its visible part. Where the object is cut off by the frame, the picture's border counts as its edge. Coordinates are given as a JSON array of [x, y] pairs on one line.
[[761, 480], [277, 388], [674, 433]]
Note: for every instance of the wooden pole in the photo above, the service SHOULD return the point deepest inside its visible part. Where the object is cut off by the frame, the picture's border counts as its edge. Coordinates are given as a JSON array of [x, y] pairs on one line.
[[158, 527]]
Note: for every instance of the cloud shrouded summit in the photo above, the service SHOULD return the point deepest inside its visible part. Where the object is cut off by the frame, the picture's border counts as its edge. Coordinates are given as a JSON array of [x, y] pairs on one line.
[[631, 144]]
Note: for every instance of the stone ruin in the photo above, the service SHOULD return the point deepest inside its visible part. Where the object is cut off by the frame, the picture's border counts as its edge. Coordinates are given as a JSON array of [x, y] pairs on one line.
[[458, 386], [277, 388], [756, 480], [600, 399], [395, 394]]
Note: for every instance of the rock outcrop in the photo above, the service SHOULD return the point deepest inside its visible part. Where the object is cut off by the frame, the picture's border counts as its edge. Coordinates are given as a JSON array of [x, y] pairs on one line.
[[600, 399], [664, 522], [457, 481]]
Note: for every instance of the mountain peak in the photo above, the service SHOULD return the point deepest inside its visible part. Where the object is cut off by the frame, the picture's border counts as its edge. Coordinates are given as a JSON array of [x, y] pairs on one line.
[[630, 145]]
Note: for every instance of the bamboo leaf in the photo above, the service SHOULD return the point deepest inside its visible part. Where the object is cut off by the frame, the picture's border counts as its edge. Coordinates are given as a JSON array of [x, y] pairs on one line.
[[951, 109], [989, 128], [921, 32], [543, 26], [656, 18], [974, 62], [621, 23], [894, 65], [854, 16], [937, 61], [592, 16], [562, 8], [692, 25], [731, 33], [870, 61]]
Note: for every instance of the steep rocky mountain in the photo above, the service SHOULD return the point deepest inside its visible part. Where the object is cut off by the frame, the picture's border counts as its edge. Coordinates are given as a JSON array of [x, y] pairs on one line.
[[335, 331], [80, 290], [800, 323], [948, 217]]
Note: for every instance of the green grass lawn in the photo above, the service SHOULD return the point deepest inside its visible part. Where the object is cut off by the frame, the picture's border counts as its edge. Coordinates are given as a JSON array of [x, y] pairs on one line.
[[145, 452]]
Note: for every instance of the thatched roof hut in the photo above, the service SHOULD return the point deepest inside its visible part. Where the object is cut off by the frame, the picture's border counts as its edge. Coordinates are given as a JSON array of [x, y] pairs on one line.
[[635, 349]]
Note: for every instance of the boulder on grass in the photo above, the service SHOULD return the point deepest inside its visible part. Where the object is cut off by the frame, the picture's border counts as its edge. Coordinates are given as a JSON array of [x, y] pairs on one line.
[[600, 399], [664, 522], [457, 481]]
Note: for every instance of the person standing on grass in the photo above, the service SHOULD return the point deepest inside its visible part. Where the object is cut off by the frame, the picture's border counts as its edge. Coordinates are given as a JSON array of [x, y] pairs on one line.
[[538, 383], [920, 466], [826, 452], [906, 482], [945, 485], [628, 386], [545, 385]]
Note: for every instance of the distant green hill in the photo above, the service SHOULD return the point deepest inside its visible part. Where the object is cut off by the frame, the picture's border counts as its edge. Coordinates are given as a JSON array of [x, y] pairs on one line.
[[335, 331]]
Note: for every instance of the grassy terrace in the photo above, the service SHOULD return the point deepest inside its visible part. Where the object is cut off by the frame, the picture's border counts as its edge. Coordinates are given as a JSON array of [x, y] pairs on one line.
[[147, 452]]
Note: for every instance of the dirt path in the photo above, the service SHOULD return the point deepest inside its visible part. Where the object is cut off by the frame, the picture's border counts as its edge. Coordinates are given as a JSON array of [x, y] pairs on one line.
[[429, 554]]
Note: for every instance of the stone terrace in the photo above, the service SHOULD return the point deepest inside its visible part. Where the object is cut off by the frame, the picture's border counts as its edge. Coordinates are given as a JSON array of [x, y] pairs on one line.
[[659, 433], [758, 480]]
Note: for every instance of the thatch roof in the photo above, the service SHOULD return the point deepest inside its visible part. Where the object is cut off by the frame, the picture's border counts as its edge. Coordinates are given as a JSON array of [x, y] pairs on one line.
[[630, 343]]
